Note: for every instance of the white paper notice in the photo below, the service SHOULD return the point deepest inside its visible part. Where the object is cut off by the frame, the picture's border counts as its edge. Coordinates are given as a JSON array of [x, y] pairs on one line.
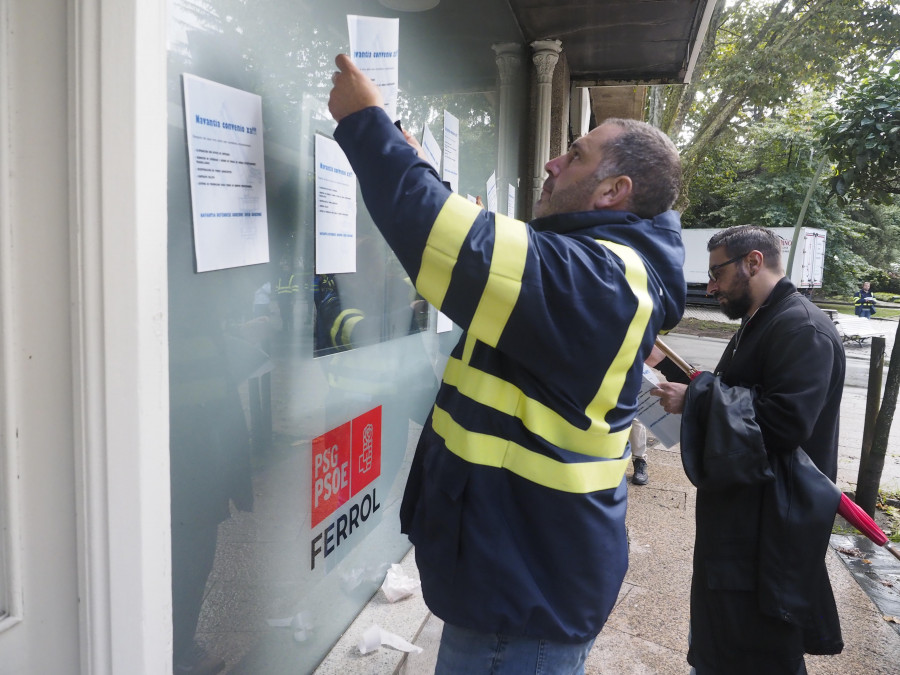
[[432, 149], [228, 177], [511, 201], [665, 426], [451, 151], [374, 48], [491, 187], [335, 209], [444, 323]]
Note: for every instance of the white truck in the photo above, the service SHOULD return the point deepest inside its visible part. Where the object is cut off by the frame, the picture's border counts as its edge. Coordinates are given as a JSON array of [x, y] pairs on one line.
[[806, 272]]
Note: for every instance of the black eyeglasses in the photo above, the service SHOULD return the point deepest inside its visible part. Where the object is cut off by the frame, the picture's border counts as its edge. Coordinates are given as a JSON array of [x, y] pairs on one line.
[[712, 270]]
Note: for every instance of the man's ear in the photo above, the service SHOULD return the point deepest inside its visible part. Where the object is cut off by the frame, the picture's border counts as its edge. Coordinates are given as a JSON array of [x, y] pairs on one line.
[[613, 193], [755, 261]]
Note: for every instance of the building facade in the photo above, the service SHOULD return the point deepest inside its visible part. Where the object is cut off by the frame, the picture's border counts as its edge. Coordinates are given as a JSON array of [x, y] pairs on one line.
[[214, 456]]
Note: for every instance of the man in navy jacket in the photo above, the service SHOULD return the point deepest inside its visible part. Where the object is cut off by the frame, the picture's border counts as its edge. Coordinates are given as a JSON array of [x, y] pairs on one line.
[[516, 498]]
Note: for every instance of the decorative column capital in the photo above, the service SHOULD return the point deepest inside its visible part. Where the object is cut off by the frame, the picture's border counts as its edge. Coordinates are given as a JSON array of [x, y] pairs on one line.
[[509, 59], [545, 57]]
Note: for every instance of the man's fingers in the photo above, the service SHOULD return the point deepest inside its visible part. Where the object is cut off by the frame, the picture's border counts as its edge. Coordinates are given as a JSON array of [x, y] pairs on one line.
[[345, 66], [352, 90], [343, 62]]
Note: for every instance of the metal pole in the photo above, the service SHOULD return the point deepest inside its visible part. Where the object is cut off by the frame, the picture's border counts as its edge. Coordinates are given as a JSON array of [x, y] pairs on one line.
[[802, 216]]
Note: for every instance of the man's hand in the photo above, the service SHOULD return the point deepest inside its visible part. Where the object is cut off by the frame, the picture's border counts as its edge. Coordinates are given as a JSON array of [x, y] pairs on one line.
[[414, 144], [671, 395], [352, 90]]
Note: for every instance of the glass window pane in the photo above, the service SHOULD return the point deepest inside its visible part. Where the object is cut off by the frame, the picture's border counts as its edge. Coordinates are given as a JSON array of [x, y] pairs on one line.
[[289, 448]]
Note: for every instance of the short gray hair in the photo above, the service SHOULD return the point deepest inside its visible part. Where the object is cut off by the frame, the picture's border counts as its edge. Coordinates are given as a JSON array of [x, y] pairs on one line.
[[650, 159]]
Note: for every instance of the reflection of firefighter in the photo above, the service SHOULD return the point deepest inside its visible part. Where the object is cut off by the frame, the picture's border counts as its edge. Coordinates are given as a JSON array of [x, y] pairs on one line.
[[286, 290], [393, 378], [339, 328], [334, 325]]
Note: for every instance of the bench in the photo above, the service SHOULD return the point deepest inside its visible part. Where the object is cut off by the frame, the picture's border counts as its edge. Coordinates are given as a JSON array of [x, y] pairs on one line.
[[856, 330]]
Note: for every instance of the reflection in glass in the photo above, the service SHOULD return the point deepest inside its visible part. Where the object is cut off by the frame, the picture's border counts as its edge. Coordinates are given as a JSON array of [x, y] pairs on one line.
[[266, 359]]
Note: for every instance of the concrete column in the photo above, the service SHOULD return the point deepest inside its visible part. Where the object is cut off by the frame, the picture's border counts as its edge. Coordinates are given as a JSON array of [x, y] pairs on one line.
[[545, 57], [509, 59]]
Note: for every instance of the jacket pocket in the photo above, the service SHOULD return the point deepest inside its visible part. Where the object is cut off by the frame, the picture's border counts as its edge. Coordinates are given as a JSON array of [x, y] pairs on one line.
[[438, 520]]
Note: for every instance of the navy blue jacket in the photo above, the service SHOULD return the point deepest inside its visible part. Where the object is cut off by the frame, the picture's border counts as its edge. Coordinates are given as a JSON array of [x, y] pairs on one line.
[[516, 498]]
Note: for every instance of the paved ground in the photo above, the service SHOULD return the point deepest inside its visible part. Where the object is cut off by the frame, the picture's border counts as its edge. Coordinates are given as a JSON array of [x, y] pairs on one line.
[[857, 332]]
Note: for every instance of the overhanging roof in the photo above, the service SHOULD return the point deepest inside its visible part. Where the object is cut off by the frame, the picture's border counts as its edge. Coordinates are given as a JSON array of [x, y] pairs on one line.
[[620, 41], [605, 41]]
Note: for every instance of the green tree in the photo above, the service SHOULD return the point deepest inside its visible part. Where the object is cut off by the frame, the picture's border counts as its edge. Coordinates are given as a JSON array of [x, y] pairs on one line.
[[862, 137], [759, 56], [763, 178]]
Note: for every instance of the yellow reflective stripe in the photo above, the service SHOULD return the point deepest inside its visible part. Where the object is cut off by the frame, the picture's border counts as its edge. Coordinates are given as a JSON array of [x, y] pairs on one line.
[[290, 287], [505, 397], [345, 328], [504, 280], [614, 378], [450, 229], [597, 440], [468, 348], [477, 448]]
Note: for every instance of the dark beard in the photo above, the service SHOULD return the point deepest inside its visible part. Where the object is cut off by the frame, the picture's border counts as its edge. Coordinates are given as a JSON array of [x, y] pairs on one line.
[[737, 305], [737, 308]]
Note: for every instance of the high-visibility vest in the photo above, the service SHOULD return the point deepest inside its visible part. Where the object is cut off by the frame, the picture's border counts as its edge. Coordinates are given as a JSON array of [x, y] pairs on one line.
[[289, 287], [516, 498]]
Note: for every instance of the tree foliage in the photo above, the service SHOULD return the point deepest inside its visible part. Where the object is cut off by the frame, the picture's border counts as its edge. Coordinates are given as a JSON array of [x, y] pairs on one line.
[[862, 137], [760, 55], [763, 178]]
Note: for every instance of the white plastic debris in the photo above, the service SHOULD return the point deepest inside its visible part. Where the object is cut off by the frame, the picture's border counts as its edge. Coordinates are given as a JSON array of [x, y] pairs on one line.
[[397, 585], [301, 622], [359, 575], [375, 636]]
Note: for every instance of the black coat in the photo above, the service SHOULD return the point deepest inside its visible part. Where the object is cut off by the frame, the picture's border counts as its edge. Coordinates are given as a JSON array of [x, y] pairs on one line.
[[757, 604]]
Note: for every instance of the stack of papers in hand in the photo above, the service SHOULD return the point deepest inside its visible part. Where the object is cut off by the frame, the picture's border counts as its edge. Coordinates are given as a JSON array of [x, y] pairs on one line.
[[664, 426]]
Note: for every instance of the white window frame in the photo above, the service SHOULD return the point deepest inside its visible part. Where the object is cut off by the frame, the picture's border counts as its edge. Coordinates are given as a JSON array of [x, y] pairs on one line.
[[117, 112], [10, 577]]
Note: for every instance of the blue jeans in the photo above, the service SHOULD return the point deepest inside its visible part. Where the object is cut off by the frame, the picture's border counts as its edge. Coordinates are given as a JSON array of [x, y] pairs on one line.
[[468, 652]]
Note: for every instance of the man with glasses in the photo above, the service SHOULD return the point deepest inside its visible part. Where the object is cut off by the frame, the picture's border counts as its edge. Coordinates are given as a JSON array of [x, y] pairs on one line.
[[788, 361]]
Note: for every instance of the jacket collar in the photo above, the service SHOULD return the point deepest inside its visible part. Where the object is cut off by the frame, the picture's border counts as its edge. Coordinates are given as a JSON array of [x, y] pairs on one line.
[[782, 289], [562, 223]]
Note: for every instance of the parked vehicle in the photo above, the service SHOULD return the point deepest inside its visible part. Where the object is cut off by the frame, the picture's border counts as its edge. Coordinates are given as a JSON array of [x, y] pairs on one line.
[[806, 272]]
